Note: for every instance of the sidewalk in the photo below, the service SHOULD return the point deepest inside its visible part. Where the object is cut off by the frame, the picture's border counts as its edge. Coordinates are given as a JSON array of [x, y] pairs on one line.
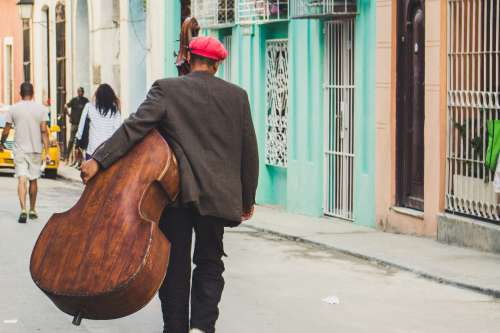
[[68, 173], [462, 267], [466, 268]]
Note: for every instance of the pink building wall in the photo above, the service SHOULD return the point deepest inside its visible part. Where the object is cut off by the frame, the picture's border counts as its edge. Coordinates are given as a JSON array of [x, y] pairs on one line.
[[11, 26], [388, 216]]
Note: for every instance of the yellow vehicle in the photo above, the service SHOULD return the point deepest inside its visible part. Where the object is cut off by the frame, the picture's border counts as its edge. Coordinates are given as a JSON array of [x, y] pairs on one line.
[[7, 158], [54, 153]]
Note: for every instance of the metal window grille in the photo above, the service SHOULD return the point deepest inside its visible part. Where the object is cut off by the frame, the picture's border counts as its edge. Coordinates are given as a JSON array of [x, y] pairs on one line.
[[227, 62], [315, 8], [250, 11], [473, 100], [339, 119], [277, 102], [214, 13]]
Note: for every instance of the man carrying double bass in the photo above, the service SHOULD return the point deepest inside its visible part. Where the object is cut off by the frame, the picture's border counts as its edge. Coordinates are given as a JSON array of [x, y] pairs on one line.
[[208, 124]]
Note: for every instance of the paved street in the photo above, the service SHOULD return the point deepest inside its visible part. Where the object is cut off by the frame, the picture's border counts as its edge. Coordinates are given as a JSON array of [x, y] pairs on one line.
[[272, 285]]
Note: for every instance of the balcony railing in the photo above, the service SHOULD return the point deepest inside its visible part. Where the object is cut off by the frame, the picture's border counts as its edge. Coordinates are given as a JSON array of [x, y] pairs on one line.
[[214, 13], [255, 11], [219, 13], [316, 8]]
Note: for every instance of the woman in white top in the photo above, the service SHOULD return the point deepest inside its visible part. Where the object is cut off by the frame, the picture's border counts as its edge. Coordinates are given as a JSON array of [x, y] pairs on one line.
[[104, 115]]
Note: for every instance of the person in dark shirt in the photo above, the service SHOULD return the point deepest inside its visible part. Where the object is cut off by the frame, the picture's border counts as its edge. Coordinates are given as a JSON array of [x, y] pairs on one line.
[[76, 104]]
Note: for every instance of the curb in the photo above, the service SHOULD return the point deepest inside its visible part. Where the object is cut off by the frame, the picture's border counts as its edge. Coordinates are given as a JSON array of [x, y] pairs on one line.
[[383, 262]]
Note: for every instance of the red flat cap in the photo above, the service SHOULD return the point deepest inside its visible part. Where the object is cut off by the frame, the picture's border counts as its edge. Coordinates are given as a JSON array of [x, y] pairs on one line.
[[208, 47]]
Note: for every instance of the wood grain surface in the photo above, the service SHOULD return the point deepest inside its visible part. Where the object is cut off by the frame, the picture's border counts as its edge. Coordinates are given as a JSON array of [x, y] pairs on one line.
[[106, 257]]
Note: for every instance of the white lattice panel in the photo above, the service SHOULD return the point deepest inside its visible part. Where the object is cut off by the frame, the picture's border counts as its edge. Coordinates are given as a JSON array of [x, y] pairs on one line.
[[277, 102]]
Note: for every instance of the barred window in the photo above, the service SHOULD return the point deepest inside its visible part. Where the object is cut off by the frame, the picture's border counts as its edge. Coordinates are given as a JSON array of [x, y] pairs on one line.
[[473, 101], [317, 8], [250, 11], [277, 102]]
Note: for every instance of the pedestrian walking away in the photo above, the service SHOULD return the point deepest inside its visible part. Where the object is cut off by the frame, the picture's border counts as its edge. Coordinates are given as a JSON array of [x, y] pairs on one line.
[[102, 118], [31, 139], [76, 104], [208, 124]]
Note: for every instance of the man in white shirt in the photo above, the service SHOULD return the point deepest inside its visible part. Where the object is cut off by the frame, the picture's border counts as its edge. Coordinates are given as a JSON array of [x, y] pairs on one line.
[[31, 138]]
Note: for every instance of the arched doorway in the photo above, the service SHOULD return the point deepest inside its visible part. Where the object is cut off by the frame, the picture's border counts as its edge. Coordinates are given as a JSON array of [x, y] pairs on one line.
[[138, 54], [61, 73], [82, 47]]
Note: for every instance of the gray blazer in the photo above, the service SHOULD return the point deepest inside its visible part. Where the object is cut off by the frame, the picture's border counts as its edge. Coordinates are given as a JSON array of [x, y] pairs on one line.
[[208, 124]]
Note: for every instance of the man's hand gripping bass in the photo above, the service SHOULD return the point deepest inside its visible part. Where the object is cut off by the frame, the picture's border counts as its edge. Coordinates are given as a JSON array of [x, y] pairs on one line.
[[88, 170]]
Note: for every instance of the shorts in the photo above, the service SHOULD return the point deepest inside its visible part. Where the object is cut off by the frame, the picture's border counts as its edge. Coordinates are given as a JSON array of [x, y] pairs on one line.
[[28, 165]]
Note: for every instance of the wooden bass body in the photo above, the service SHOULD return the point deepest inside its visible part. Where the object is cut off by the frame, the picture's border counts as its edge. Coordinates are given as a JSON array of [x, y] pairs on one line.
[[106, 257]]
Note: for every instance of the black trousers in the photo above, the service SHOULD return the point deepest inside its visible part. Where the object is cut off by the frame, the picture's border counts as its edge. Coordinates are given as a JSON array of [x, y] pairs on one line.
[[207, 285]]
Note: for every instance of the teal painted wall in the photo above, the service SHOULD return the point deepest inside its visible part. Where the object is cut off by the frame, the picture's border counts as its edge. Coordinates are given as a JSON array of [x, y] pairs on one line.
[[248, 71], [305, 167], [172, 32], [299, 187], [364, 137]]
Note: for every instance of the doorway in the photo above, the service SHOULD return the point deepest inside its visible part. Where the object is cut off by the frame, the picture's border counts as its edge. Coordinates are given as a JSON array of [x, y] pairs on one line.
[[339, 119], [46, 92], [61, 74], [9, 75], [27, 50], [410, 104]]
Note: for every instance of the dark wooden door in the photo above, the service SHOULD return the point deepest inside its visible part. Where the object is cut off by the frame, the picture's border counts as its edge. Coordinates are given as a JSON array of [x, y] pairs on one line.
[[410, 104]]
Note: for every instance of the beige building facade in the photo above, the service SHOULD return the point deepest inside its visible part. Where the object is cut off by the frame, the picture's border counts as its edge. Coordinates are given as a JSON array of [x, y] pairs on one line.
[[83, 43], [437, 77]]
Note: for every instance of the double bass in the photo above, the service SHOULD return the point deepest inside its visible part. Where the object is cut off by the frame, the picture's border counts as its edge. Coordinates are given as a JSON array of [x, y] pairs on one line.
[[105, 257]]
